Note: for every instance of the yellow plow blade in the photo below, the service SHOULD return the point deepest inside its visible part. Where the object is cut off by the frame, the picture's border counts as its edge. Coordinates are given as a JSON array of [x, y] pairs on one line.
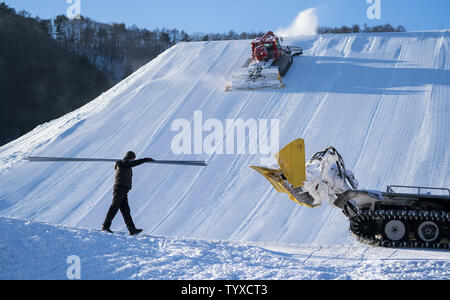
[[291, 160], [273, 177]]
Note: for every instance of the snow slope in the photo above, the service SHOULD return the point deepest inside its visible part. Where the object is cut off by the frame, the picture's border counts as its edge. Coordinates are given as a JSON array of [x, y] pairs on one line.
[[381, 99], [41, 251]]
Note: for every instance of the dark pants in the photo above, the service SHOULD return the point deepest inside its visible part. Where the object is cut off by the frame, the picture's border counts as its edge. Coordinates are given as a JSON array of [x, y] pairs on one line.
[[120, 201]]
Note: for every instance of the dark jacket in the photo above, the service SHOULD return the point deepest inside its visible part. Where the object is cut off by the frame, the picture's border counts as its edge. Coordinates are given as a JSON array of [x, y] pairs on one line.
[[124, 174]]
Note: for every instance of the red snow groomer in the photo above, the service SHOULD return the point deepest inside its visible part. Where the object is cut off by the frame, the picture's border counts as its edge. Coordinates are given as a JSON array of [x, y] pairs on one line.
[[269, 62]]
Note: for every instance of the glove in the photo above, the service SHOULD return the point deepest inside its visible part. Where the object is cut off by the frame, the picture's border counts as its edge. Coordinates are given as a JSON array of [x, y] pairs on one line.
[[150, 159]]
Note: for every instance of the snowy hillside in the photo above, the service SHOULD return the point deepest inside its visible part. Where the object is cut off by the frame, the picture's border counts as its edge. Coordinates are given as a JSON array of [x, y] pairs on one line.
[[26, 255], [381, 99]]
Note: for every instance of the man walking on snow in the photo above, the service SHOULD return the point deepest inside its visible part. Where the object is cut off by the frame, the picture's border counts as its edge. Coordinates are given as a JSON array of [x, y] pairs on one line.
[[122, 185]]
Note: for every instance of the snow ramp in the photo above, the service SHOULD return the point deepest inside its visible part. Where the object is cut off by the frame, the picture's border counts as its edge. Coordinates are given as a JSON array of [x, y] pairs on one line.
[[381, 99]]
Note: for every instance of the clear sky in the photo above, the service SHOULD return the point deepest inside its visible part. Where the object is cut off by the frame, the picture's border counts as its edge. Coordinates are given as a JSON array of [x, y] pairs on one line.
[[210, 16]]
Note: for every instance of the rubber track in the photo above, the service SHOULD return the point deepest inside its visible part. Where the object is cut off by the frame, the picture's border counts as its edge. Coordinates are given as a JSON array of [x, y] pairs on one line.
[[406, 215]]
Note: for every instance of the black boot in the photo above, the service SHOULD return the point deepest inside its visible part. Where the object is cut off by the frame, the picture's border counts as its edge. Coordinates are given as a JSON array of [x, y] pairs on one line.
[[107, 230], [134, 231]]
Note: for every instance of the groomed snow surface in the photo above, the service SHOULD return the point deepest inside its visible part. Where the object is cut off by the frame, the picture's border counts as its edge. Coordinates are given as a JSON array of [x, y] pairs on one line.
[[381, 99]]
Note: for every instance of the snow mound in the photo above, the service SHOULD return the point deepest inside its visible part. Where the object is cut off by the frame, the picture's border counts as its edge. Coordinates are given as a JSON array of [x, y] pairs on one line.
[[380, 99]]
